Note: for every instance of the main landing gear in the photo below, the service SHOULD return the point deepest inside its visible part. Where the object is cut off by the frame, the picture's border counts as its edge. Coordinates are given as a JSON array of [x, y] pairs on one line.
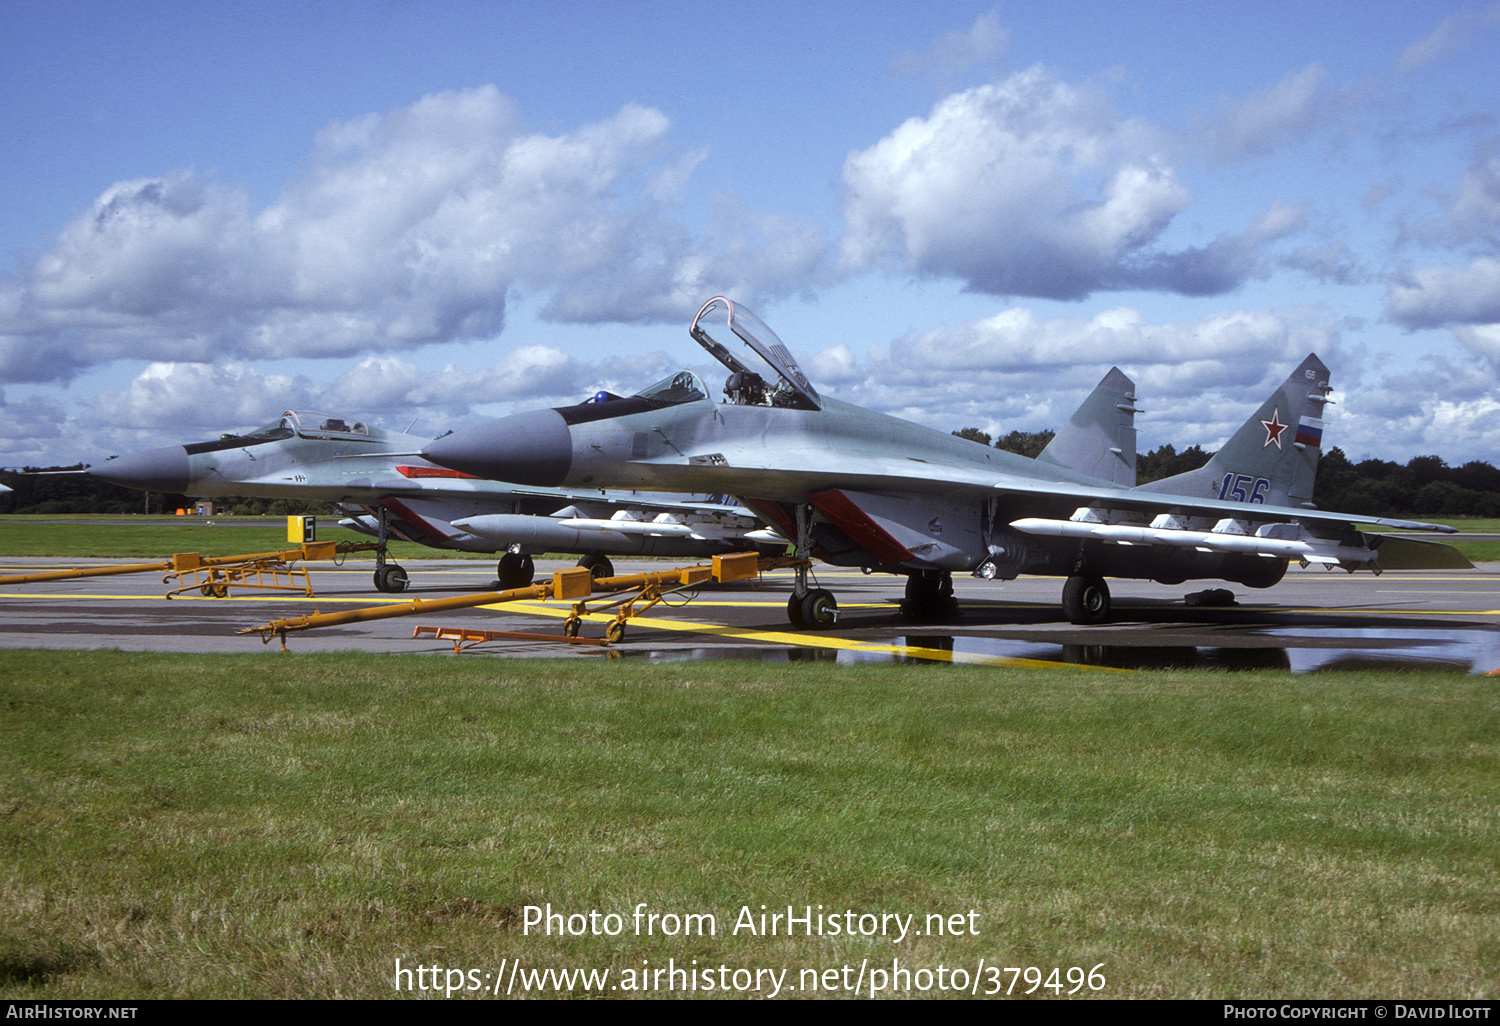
[[599, 566], [515, 571], [929, 595], [1085, 600]]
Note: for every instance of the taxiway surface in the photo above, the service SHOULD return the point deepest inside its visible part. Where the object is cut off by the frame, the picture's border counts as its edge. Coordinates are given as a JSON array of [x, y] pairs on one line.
[[1314, 619]]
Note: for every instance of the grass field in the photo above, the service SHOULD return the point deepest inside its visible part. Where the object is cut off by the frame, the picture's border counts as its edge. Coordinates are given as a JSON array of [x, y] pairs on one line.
[[157, 538], [184, 826]]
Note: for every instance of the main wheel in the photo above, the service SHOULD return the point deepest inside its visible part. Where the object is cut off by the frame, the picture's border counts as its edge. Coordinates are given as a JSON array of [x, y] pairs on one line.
[[820, 609], [1085, 600], [599, 566], [615, 632], [515, 571]]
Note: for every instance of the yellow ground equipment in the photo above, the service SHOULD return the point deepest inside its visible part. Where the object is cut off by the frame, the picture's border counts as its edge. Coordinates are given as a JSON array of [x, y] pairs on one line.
[[214, 575], [576, 584]]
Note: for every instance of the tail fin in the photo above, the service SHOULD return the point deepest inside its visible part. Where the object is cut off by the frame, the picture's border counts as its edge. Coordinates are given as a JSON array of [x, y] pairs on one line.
[[1099, 439], [1272, 458]]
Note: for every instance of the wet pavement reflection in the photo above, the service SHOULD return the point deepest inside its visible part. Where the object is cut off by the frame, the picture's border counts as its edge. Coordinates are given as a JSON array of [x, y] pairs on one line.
[[1298, 650]]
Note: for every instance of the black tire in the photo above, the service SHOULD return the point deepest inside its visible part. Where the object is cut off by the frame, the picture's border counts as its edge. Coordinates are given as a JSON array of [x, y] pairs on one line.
[[1261, 571], [820, 610], [929, 598], [794, 612], [391, 579], [599, 566], [615, 632], [1085, 600], [570, 627], [515, 571]]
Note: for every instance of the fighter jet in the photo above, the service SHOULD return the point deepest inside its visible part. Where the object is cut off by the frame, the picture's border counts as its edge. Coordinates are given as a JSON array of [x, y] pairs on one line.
[[375, 477], [857, 488]]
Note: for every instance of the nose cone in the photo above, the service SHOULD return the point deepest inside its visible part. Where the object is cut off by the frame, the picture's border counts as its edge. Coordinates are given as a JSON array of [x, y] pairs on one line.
[[534, 448], [154, 470]]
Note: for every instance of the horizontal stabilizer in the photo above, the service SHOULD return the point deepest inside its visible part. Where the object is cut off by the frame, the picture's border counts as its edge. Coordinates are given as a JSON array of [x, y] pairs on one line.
[[1416, 554]]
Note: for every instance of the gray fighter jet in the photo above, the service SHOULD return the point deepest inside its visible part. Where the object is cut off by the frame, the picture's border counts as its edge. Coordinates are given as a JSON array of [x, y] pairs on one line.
[[857, 488], [375, 477]]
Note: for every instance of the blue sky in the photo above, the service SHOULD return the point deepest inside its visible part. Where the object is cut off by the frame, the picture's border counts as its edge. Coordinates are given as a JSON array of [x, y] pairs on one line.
[[961, 213]]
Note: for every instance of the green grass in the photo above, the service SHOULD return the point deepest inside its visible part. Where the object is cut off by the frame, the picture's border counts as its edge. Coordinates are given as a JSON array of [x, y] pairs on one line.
[[289, 825], [157, 538]]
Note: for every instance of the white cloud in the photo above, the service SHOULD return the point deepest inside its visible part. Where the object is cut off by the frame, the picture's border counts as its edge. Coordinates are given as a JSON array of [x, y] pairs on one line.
[[1016, 370], [1455, 32], [1439, 296], [1033, 187], [388, 383], [1483, 340], [409, 227], [187, 400], [1473, 211], [28, 427], [956, 52], [1269, 118]]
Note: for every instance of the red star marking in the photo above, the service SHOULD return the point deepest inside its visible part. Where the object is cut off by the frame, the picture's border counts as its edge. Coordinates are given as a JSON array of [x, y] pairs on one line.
[[1274, 428]]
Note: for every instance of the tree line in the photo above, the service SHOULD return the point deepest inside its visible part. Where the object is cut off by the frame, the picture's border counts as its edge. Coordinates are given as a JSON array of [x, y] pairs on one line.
[[1424, 487]]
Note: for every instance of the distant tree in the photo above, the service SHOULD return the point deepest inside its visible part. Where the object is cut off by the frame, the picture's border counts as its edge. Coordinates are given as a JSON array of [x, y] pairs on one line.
[[1027, 443], [1426, 469], [1476, 476], [1336, 475], [974, 435], [1166, 461]]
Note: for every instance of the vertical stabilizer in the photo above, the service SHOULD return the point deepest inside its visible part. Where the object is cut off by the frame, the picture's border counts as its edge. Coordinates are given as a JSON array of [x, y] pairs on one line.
[[1099, 439], [1272, 458]]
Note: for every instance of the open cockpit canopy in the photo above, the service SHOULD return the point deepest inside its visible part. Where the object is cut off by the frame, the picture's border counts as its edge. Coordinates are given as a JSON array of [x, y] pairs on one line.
[[723, 328]]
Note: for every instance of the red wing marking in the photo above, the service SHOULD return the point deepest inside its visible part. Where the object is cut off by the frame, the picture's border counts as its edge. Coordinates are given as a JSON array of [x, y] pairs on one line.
[[416, 472], [859, 526], [413, 520]]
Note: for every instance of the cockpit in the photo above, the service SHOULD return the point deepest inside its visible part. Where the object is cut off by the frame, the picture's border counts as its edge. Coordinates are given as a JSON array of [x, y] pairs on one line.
[[725, 329], [719, 325], [307, 424], [682, 387]]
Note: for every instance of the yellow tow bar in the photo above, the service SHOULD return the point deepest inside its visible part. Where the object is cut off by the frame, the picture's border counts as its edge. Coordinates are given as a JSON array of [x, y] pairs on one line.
[[213, 575], [575, 584]]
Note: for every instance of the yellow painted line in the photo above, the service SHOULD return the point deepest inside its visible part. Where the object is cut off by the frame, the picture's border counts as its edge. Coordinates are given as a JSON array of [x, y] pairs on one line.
[[1386, 610], [810, 640], [232, 597]]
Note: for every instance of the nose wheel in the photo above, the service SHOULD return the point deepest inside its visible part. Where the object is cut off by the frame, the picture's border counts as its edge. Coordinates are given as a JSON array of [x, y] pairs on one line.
[[391, 579], [809, 609], [820, 610]]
